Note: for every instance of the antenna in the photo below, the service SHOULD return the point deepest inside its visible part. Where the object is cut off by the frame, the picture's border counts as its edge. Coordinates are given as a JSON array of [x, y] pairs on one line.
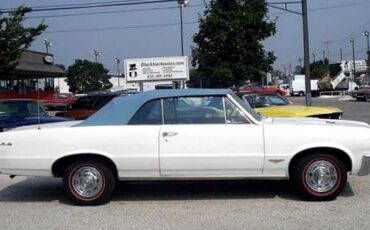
[[38, 105]]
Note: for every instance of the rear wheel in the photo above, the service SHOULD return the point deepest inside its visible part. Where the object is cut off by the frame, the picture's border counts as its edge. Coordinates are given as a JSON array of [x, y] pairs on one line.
[[89, 183], [320, 177], [301, 93]]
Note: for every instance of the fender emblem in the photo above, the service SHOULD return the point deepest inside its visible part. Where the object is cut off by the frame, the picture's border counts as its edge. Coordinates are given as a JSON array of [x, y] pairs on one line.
[[276, 160]]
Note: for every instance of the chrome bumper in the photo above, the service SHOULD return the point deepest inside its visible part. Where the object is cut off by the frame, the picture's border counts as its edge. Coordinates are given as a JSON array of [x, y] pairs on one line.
[[365, 166]]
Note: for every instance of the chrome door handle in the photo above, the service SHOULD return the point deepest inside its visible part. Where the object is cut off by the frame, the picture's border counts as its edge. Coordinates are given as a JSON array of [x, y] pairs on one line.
[[169, 134]]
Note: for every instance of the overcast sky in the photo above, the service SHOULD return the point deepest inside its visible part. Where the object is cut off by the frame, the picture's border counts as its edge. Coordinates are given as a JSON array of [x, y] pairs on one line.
[[131, 32]]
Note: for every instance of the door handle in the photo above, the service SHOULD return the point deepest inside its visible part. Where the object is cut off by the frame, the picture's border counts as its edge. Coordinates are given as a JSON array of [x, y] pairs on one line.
[[169, 134]]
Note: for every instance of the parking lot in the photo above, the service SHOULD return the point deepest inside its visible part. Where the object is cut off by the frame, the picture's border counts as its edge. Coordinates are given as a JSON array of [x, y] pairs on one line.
[[39, 203]]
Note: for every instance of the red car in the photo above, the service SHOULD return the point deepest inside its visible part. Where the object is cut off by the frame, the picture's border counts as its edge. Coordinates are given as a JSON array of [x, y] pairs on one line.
[[259, 89], [58, 101]]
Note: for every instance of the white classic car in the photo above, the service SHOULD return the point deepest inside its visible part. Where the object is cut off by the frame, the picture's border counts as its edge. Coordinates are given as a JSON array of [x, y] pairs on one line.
[[187, 134]]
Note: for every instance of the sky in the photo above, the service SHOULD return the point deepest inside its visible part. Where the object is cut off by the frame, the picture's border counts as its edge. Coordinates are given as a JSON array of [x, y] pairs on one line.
[[153, 30]]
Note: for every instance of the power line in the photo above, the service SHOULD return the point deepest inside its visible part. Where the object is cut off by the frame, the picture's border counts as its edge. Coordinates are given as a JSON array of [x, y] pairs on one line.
[[74, 4], [118, 28], [328, 7], [94, 6], [110, 12]]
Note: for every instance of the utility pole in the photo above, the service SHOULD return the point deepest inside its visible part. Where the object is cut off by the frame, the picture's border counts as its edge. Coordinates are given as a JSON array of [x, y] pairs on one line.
[[306, 46], [352, 40], [118, 61], [313, 57], [323, 55], [284, 67], [97, 54], [328, 43], [366, 34], [341, 54], [290, 69]]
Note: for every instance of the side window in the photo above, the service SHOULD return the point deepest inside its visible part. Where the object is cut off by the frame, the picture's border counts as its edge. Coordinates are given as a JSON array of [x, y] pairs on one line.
[[233, 114], [194, 110], [149, 114]]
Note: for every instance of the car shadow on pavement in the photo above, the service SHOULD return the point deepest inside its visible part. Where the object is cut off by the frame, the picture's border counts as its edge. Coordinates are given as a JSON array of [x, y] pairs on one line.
[[51, 189]]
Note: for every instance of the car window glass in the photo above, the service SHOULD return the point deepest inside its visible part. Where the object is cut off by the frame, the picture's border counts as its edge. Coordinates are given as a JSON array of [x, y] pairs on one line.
[[85, 102], [34, 107], [149, 114], [246, 106], [233, 114], [103, 100], [194, 110]]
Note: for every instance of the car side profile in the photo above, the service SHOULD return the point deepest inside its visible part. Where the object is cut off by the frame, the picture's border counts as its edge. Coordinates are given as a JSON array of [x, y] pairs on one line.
[[188, 134]]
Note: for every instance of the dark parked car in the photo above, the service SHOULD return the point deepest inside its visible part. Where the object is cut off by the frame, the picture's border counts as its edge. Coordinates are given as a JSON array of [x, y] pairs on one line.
[[362, 94], [87, 105], [22, 112]]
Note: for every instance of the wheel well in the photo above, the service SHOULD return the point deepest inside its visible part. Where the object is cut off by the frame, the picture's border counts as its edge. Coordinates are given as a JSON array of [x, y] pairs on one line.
[[341, 155], [61, 164]]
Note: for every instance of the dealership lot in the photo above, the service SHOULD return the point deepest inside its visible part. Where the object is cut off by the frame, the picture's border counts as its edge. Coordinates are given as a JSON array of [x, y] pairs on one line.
[[37, 203]]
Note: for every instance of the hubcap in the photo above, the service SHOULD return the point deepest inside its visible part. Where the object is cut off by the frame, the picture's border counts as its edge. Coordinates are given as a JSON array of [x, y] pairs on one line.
[[87, 181], [321, 176]]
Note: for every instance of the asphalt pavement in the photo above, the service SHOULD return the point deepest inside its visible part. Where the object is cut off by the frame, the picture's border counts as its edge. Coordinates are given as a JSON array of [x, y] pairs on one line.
[[39, 203]]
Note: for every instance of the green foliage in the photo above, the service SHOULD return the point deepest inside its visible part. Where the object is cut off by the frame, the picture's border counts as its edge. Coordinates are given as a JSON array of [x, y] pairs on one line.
[[228, 49], [85, 76], [318, 69], [15, 38]]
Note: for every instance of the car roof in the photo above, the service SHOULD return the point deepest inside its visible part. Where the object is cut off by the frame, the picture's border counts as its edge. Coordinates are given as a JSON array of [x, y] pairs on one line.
[[121, 109]]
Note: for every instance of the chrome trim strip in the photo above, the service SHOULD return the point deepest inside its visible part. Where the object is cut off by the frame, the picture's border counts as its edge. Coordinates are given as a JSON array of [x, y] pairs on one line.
[[365, 166]]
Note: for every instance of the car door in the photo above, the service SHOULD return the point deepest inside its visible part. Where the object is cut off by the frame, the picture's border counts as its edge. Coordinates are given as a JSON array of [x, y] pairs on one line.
[[208, 136]]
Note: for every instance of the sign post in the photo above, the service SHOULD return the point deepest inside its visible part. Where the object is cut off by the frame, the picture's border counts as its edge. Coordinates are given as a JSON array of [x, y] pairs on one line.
[[156, 69]]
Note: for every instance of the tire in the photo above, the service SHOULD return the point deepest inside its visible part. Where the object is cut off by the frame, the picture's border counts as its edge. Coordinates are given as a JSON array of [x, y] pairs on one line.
[[99, 188], [367, 98], [301, 94], [306, 172]]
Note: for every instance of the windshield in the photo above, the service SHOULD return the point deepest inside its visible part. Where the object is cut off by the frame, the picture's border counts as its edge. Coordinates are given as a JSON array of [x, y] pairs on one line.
[[246, 106], [258, 101], [20, 107]]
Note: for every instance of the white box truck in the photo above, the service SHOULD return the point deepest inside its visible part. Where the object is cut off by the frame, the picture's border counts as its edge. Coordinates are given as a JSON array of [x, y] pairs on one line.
[[298, 86]]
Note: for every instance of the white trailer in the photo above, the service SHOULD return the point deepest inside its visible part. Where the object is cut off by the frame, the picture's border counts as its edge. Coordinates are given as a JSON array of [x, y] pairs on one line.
[[298, 86]]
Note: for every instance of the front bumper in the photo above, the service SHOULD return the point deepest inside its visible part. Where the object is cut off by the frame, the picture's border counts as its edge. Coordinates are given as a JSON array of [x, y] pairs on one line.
[[365, 166]]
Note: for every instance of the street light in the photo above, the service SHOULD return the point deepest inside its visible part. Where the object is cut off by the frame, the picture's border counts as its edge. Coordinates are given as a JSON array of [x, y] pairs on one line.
[[352, 40], [47, 45], [118, 61], [366, 34], [97, 54], [182, 4]]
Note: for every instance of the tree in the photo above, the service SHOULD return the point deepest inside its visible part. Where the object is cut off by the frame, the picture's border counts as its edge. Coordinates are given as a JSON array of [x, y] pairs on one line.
[[318, 69], [228, 49], [15, 38], [85, 76]]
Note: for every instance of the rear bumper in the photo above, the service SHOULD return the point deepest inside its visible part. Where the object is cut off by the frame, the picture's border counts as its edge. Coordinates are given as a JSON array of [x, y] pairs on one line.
[[365, 166]]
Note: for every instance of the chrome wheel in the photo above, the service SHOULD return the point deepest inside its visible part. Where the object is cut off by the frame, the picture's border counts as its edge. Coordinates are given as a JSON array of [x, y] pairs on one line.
[[87, 181], [321, 176]]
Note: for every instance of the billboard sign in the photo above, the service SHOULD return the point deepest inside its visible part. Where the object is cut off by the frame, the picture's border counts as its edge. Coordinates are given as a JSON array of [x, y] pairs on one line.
[[157, 69]]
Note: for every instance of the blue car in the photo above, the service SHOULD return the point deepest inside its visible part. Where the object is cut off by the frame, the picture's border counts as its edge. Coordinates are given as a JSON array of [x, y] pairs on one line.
[[22, 112]]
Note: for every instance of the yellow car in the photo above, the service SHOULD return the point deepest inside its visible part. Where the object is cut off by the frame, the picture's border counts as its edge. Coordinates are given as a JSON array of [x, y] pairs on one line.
[[273, 105]]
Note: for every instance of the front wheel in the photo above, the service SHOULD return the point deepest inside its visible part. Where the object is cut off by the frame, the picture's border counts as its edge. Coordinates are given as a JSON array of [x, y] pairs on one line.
[[320, 177], [88, 183]]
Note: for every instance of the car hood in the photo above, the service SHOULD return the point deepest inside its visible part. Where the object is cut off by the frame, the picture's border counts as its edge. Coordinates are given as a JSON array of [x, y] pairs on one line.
[[315, 121], [296, 111], [64, 124]]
